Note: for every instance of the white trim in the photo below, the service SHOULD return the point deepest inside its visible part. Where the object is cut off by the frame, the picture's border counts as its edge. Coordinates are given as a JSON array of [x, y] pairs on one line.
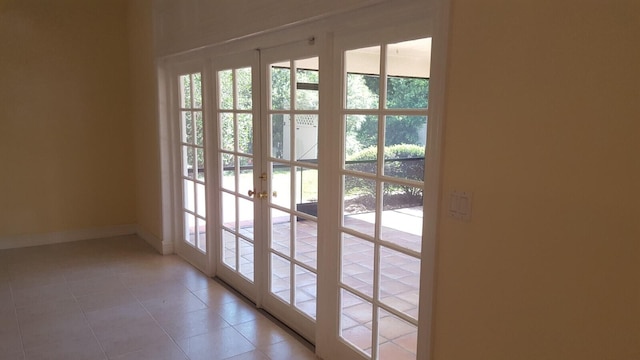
[[433, 178], [26, 240], [163, 247]]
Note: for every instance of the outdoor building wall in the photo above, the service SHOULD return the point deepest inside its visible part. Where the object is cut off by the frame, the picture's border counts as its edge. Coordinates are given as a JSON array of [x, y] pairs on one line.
[[66, 149], [542, 126]]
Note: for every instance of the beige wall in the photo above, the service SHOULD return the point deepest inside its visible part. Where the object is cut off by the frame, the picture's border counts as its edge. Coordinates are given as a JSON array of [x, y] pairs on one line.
[[66, 149], [188, 24], [542, 125], [145, 123]]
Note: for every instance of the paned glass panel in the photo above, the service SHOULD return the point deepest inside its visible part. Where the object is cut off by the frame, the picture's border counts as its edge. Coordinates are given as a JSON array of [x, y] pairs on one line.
[[201, 197], [200, 158], [397, 339], [202, 234], [361, 143], [359, 205], [404, 146], [185, 91], [305, 295], [228, 171], [307, 84], [402, 215], [356, 316], [243, 88], [363, 78], [199, 128], [187, 127], [357, 263], [280, 86], [307, 242], [245, 217], [190, 228], [246, 259], [189, 195], [229, 249], [197, 90], [225, 89], [306, 134], [227, 132], [245, 133], [281, 278], [281, 185], [281, 232], [408, 66], [307, 190], [399, 281], [187, 161], [280, 136], [228, 211]]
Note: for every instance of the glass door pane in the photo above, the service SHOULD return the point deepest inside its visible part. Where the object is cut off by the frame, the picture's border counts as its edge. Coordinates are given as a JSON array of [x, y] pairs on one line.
[[292, 127], [192, 174], [384, 116], [235, 115]]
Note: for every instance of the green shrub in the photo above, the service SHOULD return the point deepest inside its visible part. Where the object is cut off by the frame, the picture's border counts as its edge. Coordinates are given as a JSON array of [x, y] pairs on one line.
[[404, 161]]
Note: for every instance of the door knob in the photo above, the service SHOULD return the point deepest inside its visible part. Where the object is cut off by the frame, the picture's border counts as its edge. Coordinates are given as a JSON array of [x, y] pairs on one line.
[[251, 193]]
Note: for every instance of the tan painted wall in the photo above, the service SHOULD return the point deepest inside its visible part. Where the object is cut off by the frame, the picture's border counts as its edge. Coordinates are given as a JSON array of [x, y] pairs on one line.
[[145, 123], [543, 118], [66, 150], [188, 24]]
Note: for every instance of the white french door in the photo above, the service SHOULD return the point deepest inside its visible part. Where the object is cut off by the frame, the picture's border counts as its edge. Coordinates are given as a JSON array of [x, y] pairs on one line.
[[236, 154], [290, 122], [266, 183], [383, 111], [193, 242], [255, 122]]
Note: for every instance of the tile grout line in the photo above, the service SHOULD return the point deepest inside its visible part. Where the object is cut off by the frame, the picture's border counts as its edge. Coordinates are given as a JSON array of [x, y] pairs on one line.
[[86, 319], [15, 314]]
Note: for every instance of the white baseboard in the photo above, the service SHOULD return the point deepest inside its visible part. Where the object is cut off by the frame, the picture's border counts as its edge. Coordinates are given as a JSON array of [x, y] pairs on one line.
[[10, 242], [163, 247]]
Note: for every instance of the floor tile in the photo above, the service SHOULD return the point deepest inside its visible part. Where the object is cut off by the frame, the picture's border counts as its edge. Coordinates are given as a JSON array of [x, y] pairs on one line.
[[289, 350], [119, 340], [51, 328], [100, 301], [262, 332], [216, 295], [101, 284], [237, 312], [117, 317], [222, 344], [41, 293], [179, 303], [163, 350], [83, 347], [184, 325], [251, 355], [158, 290]]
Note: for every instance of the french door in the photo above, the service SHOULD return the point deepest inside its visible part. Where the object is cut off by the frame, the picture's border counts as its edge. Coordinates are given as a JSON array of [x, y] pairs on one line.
[[253, 120], [383, 111], [267, 179]]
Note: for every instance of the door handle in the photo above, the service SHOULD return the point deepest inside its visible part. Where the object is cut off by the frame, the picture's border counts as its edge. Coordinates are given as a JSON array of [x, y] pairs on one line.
[[261, 195]]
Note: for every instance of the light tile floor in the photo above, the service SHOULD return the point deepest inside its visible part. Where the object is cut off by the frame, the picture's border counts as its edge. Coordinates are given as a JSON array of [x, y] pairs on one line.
[[117, 298]]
